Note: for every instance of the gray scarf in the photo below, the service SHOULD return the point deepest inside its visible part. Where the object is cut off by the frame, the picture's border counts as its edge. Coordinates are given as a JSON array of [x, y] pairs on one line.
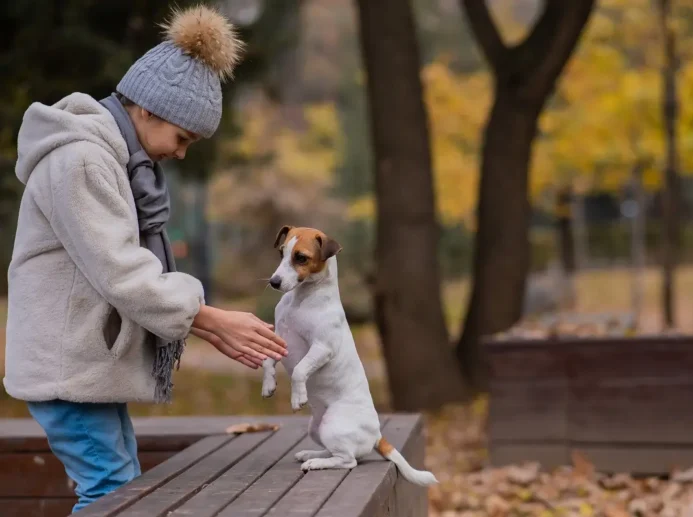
[[153, 204]]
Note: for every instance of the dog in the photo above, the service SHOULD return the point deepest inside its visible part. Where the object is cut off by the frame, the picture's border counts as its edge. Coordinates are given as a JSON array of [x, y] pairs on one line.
[[322, 361]]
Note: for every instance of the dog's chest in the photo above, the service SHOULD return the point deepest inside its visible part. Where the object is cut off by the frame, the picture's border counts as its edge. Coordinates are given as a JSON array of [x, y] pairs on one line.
[[289, 326]]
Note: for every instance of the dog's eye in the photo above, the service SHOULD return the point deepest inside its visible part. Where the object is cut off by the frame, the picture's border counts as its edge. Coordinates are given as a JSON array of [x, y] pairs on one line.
[[300, 259]]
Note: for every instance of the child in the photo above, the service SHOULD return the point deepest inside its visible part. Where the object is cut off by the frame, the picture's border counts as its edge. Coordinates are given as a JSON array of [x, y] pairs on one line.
[[97, 312]]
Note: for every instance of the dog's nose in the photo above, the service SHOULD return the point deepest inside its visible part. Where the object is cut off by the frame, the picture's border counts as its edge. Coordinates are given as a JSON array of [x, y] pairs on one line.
[[275, 282]]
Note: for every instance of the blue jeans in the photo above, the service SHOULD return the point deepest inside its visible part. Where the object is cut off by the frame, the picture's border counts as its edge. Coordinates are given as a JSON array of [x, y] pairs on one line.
[[95, 443]]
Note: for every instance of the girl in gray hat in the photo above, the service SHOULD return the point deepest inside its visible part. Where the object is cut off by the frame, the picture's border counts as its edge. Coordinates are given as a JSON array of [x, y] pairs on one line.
[[97, 312]]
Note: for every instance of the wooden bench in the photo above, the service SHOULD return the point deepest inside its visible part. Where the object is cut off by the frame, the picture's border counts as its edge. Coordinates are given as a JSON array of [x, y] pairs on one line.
[[624, 403], [193, 467]]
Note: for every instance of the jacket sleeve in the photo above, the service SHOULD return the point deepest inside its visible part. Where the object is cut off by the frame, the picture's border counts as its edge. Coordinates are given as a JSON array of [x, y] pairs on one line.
[[94, 223]]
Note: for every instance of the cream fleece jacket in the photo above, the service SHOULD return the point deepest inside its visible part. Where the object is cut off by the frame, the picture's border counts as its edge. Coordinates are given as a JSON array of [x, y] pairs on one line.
[[82, 290]]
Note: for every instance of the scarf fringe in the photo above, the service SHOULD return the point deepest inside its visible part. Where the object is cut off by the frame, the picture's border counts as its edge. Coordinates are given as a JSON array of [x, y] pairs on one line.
[[167, 357]]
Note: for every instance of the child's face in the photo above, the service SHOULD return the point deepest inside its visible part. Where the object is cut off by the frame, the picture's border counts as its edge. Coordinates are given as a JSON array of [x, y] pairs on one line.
[[160, 139]]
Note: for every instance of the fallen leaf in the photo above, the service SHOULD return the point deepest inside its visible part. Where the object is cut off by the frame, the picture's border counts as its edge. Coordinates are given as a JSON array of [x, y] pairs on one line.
[[638, 507], [616, 482], [683, 476], [523, 475], [582, 466], [496, 505], [616, 511], [586, 509], [251, 428]]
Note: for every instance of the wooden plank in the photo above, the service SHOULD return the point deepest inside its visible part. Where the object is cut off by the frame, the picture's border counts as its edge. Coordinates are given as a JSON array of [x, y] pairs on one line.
[[640, 411], [591, 358], [529, 410], [39, 507], [607, 360], [181, 488], [203, 425], [129, 494], [47, 474], [502, 346], [153, 433], [149, 443], [638, 460], [227, 487], [307, 496], [402, 501], [267, 490], [528, 362], [549, 455], [367, 488], [24, 444], [271, 487]]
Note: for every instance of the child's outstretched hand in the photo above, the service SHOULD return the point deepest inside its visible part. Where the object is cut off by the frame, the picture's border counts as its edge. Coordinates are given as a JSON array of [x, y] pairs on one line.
[[239, 335], [250, 362]]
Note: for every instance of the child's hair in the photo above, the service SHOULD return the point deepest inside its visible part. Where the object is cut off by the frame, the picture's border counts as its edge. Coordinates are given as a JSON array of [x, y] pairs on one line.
[[124, 100]]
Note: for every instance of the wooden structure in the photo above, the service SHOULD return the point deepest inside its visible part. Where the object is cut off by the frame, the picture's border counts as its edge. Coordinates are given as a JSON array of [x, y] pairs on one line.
[[625, 403], [192, 466]]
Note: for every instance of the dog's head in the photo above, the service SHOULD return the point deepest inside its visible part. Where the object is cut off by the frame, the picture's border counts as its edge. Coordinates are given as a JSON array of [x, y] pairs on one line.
[[304, 254]]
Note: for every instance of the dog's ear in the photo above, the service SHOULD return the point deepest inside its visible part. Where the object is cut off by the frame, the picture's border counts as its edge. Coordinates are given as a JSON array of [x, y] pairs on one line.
[[282, 233], [328, 247]]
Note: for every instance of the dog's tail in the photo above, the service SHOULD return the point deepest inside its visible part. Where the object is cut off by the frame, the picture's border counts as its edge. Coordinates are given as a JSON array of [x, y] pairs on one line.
[[418, 477]]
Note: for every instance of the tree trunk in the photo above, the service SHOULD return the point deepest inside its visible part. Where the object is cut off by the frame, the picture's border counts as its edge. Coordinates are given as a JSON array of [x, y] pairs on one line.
[[670, 200], [564, 229], [525, 76], [638, 253], [580, 233], [566, 246], [407, 298]]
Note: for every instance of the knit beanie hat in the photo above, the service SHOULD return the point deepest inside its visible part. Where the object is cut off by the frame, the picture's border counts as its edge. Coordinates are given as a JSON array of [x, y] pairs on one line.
[[180, 79]]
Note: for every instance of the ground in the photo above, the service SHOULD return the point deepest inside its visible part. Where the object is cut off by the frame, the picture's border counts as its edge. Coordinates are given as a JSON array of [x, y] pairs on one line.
[[456, 451]]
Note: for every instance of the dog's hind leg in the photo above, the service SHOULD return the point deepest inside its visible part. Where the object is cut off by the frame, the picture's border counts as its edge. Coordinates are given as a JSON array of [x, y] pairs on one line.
[[314, 433], [310, 455], [342, 437], [269, 377], [338, 461]]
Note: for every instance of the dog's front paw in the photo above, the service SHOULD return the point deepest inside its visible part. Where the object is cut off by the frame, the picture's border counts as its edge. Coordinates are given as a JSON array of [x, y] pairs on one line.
[[299, 396], [269, 386]]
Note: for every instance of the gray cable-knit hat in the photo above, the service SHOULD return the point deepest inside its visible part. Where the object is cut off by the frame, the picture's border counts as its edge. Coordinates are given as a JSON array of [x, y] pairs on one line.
[[180, 79]]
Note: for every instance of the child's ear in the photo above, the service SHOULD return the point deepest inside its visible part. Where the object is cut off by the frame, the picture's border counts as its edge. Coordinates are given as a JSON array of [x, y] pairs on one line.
[[146, 115]]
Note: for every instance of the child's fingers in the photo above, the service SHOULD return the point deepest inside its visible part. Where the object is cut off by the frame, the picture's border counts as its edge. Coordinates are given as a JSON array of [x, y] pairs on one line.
[[235, 353], [247, 362], [269, 347], [209, 337], [254, 360], [252, 352], [275, 342], [268, 325]]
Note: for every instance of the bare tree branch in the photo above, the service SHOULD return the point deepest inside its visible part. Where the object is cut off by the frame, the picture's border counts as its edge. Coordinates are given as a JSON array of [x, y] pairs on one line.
[[486, 33], [551, 42]]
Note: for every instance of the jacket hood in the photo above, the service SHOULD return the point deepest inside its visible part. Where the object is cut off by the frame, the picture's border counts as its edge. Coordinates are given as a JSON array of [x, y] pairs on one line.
[[77, 117]]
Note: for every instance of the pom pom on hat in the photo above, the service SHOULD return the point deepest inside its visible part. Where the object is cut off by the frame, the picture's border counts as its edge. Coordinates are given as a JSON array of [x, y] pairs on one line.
[[179, 80], [203, 33]]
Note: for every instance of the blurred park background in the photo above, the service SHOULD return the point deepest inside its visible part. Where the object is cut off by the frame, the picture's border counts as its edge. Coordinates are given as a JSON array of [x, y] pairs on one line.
[[488, 167]]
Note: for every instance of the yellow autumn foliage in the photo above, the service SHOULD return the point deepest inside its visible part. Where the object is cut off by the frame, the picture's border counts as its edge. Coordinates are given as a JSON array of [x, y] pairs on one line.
[[274, 161], [604, 119]]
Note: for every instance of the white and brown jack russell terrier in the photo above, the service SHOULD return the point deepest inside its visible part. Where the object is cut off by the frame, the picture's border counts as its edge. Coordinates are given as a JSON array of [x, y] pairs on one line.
[[325, 369]]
